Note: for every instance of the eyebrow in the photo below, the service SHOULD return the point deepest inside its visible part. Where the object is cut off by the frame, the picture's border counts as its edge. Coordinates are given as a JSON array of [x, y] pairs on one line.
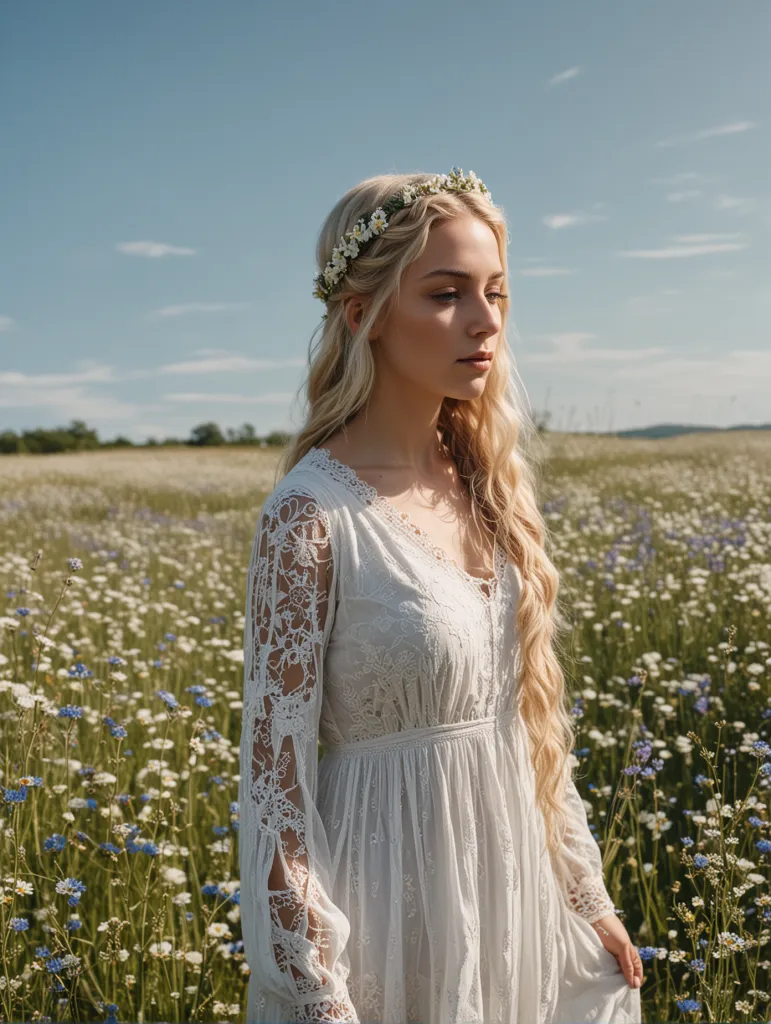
[[449, 272]]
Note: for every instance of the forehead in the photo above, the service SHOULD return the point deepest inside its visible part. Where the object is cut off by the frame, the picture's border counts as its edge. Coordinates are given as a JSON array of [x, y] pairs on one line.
[[466, 243]]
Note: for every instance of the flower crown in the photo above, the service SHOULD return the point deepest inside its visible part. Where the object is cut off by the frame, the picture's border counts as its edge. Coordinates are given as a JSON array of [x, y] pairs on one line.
[[349, 246]]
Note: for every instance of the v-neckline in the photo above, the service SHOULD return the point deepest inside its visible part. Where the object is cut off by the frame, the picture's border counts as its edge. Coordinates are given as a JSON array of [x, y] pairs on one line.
[[373, 498]]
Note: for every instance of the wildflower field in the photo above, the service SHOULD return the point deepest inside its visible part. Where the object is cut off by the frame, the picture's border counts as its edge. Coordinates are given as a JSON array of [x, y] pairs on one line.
[[123, 576]]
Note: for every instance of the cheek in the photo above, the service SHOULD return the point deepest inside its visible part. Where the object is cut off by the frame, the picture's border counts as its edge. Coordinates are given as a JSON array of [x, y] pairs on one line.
[[424, 342]]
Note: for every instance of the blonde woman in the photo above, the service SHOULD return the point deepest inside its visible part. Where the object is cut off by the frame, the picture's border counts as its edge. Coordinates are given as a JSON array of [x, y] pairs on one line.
[[435, 864]]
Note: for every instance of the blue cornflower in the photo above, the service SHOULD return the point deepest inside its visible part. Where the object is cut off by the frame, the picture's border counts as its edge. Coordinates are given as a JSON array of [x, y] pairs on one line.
[[71, 711], [196, 688], [700, 861], [109, 848], [763, 845], [210, 889], [23, 612], [203, 701], [55, 842], [171, 637], [701, 705], [73, 888], [169, 698], [18, 924], [16, 796], [55, 964], [687, 1005], [80, 671]]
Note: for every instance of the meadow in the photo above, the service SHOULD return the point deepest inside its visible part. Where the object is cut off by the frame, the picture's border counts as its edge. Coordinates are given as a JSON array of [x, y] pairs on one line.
[[121, 665]]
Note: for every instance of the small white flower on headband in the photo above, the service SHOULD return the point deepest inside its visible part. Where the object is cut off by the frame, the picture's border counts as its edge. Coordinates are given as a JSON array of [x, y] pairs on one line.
[[349, 246]]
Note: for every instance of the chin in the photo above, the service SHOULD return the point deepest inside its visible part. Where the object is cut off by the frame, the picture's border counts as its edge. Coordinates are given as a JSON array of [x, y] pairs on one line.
[[473, 390]]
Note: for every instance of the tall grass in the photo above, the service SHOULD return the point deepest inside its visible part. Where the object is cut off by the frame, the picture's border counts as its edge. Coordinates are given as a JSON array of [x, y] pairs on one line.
[[120, 696]]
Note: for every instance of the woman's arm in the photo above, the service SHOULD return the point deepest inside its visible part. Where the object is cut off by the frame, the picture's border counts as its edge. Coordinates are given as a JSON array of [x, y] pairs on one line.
[[293, 933], [579, 864]]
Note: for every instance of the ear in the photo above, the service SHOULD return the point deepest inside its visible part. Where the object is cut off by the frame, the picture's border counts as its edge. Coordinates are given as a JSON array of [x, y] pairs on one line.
[[355, 308]]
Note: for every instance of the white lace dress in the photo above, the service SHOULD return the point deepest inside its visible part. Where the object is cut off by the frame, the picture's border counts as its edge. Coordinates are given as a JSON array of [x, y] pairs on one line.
[[404, 876]]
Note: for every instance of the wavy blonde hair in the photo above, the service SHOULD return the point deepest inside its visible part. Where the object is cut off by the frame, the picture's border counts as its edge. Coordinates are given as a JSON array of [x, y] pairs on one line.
[[484, 435]]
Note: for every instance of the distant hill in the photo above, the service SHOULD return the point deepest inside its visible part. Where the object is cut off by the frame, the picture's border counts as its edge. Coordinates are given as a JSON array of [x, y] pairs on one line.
[[677, 429]]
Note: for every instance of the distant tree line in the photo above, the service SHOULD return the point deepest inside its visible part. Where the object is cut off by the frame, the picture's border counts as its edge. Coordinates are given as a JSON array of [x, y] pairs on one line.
[[80, 437]]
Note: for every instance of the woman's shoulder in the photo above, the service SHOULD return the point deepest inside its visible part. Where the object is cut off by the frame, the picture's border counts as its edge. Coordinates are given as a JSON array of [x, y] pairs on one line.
[[307, 491]]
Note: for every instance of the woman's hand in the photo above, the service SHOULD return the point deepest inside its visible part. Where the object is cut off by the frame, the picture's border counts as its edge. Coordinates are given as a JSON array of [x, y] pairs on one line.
[[615, 939]]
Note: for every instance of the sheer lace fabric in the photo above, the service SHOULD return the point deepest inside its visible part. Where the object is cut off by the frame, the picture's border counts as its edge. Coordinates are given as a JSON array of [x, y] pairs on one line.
[[404, 876]]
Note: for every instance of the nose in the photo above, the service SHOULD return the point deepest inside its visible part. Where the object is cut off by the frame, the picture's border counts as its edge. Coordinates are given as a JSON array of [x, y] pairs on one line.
[[485, 317]]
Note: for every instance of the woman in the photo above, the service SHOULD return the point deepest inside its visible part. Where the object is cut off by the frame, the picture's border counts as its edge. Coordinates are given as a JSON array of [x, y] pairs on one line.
[[436, 864]]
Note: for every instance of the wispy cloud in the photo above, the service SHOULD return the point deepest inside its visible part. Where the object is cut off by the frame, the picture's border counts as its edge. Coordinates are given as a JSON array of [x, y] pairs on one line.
[[685, 246], [685, 196], [227, 398], [733, 128], [200, 307], [153, 250], [7, 323], [224, 362], [569, 348], [720, 375], [564, 76], [735, 203], [546, 271], [68, 394], [557, 221], [89, 374]]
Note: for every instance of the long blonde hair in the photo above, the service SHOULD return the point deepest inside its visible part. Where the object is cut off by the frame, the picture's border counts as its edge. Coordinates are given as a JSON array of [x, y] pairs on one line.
[[484, 435]]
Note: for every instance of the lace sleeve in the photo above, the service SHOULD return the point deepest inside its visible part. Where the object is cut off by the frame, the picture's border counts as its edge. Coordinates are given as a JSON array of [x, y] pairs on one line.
[[293, 933], [579, 865]]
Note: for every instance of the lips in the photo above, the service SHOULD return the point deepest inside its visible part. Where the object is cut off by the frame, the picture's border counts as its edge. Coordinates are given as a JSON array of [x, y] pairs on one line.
[[480, 355]]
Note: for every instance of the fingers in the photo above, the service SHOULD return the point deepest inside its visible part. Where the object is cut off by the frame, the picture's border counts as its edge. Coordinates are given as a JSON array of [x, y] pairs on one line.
[[632, 966]]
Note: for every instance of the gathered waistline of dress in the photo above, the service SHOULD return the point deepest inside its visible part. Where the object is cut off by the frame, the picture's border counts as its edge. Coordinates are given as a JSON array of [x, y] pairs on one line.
[[417, 737]]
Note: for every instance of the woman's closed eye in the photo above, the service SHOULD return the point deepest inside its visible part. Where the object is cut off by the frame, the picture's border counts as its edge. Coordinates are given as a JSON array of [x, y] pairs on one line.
[[444, 296]]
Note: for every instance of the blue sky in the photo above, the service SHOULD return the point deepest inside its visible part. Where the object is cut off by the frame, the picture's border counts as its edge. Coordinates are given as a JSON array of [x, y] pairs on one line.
[[167, 166]]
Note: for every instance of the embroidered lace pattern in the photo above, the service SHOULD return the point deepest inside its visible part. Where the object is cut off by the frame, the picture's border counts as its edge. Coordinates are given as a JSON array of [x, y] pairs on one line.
[[580, 865], [484, 586], [285, 862]]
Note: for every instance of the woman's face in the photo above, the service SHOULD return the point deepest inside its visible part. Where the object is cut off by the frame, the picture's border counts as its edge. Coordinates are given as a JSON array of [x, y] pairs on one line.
[[442, 317]]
